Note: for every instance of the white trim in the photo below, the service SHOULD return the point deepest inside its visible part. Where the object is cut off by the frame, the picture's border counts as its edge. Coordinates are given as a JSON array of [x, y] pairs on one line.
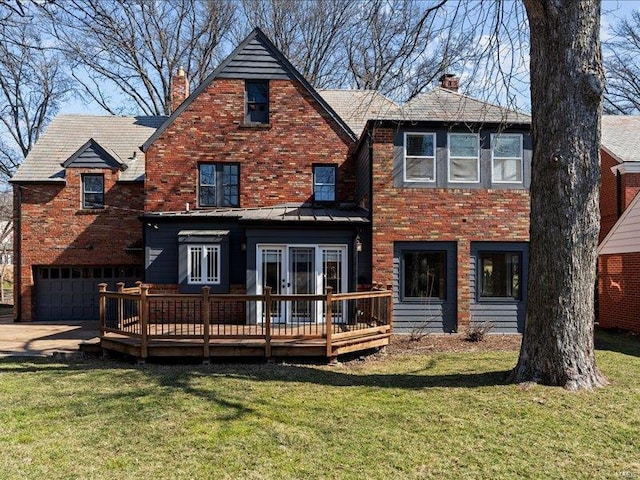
[[521, 158], [477, 157], [432, 158], [626, 167], [205, 277]]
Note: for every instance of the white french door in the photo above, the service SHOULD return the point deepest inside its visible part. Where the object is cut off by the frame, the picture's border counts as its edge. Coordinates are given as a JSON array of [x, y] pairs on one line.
[[298, 270]]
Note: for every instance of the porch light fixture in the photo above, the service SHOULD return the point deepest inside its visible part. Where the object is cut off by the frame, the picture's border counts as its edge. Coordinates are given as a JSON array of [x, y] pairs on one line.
[[358, 244]]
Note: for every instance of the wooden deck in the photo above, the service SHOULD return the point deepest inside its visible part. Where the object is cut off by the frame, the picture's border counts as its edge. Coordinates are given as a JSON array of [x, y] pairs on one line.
[[143, 325]]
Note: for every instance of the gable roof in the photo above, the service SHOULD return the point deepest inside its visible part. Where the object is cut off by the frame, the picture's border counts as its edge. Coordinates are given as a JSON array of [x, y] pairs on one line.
[[102, 157], [273, 64], [67, 134], [355, 107], [624, 236], [444, 105], [621, 137]]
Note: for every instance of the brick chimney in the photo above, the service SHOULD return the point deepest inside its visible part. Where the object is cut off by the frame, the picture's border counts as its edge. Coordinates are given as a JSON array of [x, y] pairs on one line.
[[179, 89], [449, 81]]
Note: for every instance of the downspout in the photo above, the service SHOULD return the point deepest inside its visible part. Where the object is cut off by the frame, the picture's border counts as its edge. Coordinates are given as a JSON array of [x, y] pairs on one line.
[[17, 255]]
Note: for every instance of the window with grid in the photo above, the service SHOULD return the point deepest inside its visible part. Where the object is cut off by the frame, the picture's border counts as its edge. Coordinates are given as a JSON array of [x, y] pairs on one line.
[[324, 183], [204, 264], [218, 184], [257, 101]]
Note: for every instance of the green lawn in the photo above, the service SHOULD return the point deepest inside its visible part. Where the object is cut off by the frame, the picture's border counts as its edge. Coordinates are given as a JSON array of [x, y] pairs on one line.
[[401, 416]]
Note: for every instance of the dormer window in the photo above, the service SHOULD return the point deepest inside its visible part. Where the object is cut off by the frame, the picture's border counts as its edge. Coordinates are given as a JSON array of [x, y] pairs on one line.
[[257, 101], [92, 191]]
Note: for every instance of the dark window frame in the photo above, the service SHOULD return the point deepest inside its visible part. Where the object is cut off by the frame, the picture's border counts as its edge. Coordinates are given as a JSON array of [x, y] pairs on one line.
[[442, 282], [508, 276], [335, 183], [256, 112], [92, 205], [219, 185]]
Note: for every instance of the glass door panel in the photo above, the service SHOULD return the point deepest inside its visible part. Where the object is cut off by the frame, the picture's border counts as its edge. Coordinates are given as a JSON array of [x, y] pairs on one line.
[[272, 276], [332, 274], [302, 281]]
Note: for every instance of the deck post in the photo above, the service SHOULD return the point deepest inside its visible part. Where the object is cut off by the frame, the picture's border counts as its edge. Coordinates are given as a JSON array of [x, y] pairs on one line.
[[144, 319], [206, 312], [120, 288], [389, 301], [267, 322], [328, 321], [102, 306]]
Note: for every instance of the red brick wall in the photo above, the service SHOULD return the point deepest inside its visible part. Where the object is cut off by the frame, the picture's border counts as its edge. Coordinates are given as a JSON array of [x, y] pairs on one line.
[[630, 187], [430, 214], [608, 194], [275, 161], [618, 287], [54, 230]]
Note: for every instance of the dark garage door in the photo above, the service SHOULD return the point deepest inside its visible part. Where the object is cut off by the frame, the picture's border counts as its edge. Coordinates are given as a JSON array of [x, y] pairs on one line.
[[71, 293]]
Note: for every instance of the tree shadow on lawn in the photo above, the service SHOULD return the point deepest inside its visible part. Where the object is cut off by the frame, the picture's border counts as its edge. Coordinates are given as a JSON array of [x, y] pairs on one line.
[[621, 342]]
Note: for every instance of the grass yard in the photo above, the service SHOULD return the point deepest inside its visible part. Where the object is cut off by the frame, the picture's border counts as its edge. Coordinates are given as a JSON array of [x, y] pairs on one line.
[[405, 415]]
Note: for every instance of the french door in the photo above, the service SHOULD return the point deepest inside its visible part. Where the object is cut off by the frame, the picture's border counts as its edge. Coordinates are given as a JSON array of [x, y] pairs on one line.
[[299, 270]]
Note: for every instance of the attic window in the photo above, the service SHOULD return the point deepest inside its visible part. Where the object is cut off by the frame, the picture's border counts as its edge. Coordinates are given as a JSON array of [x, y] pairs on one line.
[[257, 101]]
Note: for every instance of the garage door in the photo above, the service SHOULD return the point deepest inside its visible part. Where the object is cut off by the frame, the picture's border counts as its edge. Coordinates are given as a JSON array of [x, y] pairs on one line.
[[71, 293]]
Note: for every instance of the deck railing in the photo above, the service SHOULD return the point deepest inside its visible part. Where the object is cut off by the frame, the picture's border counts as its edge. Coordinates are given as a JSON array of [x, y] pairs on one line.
[[137, 313]]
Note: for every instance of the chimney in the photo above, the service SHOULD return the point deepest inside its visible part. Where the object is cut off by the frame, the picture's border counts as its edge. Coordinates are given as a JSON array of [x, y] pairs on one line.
[[179, 89], [449, 81]]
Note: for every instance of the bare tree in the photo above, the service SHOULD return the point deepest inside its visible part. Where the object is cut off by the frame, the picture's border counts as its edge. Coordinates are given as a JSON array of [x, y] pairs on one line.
[[124, 52], [622, 64], [567, 83], [32, 84]]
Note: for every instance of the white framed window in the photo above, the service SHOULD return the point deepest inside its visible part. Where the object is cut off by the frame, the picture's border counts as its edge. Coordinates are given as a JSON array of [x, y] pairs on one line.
[[203, 266], [506, 158], [419, 163], [92, 191], [464, 158]]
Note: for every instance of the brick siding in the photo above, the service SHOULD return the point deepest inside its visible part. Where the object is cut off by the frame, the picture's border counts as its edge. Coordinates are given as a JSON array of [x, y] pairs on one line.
[[429, 214], [55, 230], [275, 160]]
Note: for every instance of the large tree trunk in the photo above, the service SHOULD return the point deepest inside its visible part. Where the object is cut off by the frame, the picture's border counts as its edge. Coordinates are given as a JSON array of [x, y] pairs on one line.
[[567, 83]]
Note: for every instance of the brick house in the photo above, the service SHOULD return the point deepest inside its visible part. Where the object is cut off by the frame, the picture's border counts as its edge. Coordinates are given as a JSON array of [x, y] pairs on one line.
[[619, 249], [257, 179]]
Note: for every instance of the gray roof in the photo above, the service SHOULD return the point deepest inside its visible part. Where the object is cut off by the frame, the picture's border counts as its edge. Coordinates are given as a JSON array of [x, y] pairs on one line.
[[122, 136], [621, 137], [443, 105], [279, 213], [355, 107]]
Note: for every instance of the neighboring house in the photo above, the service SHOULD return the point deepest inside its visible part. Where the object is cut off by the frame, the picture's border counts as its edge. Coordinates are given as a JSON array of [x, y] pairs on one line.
[[257, 180], [619, 250]]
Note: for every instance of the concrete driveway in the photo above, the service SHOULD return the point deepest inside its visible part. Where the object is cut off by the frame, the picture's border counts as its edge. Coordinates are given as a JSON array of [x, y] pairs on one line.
[[41, 339]]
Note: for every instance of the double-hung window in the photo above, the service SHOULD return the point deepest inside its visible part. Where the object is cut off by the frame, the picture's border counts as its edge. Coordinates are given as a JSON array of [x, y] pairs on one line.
[[464, 159], [424, 275], [92, 191], [203, 264], [257, 101], [500, 275], [506, 155], [324, 183], [419, 157], [218, 184]]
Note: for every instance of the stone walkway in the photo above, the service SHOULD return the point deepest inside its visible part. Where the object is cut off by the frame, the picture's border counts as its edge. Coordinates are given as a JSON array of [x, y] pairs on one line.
[[41, 339]]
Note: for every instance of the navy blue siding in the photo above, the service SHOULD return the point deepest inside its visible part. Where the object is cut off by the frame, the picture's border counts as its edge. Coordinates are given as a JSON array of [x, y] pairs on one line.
[[506, 316], [92, 157], [430, 315], [255, 61]]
